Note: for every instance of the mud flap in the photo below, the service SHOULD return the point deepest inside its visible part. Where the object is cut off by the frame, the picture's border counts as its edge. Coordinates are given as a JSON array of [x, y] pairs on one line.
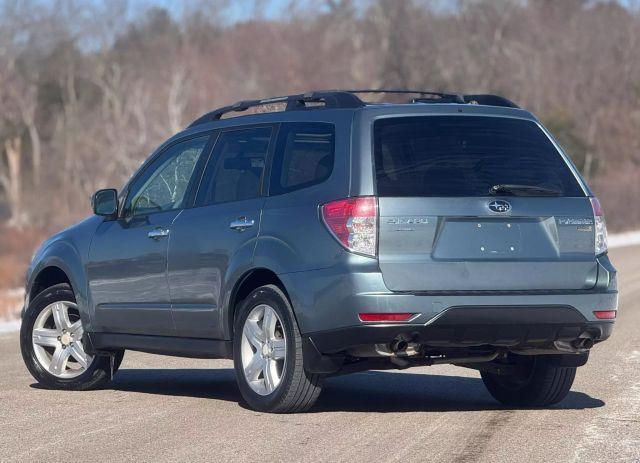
[[317, 363]]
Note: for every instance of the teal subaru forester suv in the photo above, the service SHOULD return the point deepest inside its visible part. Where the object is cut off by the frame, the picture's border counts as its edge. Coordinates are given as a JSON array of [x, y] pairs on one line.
[[332, 236]]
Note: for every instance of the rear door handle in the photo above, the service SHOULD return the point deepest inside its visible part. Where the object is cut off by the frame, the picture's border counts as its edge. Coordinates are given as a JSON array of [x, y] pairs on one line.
[[158, 233], [241, 224]]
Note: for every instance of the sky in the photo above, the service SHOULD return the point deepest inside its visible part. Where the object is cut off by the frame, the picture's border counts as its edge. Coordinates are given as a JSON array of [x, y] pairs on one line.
[[242, 10], [235, 10]]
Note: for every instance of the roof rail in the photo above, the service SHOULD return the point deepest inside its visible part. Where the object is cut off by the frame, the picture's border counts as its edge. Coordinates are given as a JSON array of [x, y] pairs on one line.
[[430, 96], [440, 97], [490, 100], [330, 99], [350, 99]]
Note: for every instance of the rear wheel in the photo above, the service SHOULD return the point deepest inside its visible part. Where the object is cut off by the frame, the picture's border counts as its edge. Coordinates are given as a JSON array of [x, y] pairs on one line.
[[537, 383], [267, 352], [51, 341]]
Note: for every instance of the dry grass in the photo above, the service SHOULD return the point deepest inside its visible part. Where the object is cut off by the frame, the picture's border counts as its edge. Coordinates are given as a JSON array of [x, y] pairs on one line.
[[618, 191], [16, 247]]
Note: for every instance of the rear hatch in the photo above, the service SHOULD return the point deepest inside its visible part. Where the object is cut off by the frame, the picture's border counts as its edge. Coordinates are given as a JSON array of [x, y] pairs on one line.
[[474, 203]]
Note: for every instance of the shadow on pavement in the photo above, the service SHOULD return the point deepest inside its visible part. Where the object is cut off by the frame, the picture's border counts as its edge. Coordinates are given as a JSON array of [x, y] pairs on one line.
[[374, 391], [406, 392], [219, 383]]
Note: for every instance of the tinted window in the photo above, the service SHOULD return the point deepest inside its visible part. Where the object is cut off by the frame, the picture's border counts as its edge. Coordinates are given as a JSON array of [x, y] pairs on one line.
[[163, 185], [465, 156], [236, 167], [304, 156]]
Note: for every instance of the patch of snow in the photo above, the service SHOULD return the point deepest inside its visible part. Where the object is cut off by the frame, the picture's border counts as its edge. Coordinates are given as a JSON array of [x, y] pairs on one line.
[[15, 292], [618, 240], [9, 326]]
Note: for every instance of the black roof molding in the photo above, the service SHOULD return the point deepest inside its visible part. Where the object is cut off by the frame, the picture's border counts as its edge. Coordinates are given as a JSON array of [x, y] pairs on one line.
[[349, 99]]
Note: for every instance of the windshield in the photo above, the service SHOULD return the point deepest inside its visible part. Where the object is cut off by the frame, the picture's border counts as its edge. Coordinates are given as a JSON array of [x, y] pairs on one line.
[[431, 156]]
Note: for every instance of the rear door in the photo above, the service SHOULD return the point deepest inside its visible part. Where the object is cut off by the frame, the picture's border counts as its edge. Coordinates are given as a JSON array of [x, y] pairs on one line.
[[214, 241], [472, 203]]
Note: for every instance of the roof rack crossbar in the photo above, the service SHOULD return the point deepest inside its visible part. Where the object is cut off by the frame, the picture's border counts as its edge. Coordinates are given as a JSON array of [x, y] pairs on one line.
[[350, 99]]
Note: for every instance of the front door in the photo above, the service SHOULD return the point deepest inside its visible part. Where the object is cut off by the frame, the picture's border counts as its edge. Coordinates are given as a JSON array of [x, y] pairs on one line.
[[128, 256], [214, 241]]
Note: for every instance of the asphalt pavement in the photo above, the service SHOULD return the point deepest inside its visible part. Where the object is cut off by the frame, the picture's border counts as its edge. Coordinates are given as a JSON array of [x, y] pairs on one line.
[[172, 409]]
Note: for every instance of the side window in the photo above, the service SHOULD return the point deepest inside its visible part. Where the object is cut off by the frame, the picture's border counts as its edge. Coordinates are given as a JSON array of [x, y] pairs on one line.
[[304, 156], [163, 185], [236, 167]]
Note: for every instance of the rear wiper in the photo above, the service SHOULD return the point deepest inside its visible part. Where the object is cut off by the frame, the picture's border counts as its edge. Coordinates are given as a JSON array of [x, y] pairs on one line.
[[523, 190]]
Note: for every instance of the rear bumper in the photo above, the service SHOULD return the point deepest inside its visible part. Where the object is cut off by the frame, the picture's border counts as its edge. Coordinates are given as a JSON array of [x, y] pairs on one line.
[[327, 303], [331, 299], [461, 327]]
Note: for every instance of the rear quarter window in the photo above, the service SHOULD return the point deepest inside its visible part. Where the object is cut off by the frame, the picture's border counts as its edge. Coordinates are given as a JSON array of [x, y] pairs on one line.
[[304, 156], [442, 156]]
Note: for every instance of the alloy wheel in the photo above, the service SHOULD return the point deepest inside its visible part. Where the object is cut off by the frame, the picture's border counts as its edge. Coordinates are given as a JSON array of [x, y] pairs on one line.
[[263, 349], [57, 340]]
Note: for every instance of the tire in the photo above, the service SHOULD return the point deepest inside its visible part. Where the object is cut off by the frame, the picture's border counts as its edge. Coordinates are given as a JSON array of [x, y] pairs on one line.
[[98, 370], [539, 385], [297, 390]]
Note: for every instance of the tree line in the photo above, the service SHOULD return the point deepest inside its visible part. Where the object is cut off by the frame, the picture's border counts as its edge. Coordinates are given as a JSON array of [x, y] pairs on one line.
[[88, 89]]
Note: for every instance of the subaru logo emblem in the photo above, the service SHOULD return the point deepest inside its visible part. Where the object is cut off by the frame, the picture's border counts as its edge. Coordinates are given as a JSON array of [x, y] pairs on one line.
[[499, 205]]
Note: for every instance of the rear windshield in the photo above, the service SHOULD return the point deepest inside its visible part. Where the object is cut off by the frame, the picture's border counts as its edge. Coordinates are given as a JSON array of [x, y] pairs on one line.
[[466, 156]]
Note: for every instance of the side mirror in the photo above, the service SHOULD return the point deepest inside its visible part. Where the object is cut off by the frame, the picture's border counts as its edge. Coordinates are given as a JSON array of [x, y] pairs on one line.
[[105, 202]]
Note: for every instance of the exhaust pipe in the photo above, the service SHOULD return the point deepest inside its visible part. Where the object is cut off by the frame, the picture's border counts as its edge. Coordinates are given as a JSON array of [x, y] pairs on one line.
[[583, 343], [398, 345]]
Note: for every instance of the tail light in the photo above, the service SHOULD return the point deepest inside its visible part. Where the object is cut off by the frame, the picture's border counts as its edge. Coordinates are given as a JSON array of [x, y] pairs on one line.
[[600, 227], [354, 223], [605, 314], [385, 316]]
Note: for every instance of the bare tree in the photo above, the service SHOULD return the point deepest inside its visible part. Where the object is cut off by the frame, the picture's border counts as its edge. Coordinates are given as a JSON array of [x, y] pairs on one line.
[[10, 179], [89, 89], [26, 100], [177, 100]]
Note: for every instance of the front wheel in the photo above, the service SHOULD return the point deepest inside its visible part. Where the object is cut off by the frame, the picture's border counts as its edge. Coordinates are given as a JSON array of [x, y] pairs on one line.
[[536, 383], [267, 353], [51, 341]]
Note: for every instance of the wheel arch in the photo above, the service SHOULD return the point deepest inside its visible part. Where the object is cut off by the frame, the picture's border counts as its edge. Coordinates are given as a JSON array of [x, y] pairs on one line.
[[249, 281], [59, 263], [46, 277]]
